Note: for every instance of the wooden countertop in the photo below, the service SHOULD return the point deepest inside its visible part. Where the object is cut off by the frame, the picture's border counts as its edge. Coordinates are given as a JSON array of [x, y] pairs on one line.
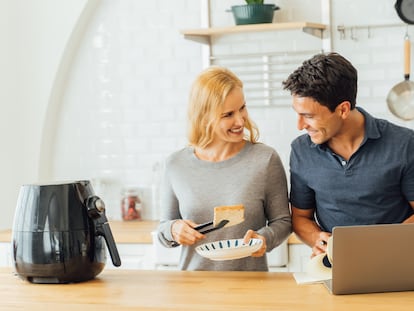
[[5, 235], [123, 231], [185, 290], [131, 232]]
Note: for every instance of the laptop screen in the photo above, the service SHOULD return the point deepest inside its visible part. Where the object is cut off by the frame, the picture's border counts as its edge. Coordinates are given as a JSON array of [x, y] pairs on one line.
[[372, 258]]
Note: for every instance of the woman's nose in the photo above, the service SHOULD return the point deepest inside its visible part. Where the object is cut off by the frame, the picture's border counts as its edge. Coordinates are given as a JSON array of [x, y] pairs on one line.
[[240, 119]]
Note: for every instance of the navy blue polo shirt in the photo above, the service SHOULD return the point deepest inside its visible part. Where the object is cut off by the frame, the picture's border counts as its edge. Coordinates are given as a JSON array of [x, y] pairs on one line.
[[373, 187]]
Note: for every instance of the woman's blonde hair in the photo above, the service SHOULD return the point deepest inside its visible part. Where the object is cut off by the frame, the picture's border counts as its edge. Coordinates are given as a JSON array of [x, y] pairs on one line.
[[207, 96]]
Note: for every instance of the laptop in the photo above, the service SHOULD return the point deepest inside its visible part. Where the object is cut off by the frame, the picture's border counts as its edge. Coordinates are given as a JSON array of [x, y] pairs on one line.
[[372, 258]]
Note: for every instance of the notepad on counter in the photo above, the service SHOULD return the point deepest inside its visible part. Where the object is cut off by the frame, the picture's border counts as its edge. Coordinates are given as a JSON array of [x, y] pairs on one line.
[[306, 278]]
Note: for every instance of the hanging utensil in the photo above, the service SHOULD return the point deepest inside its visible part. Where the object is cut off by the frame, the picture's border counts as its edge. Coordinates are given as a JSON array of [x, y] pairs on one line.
[[405, 10], [400, 99]]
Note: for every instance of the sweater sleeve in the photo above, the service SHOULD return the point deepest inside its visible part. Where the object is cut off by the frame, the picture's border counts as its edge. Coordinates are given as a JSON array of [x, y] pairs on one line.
[[169, 210], [279, 223]]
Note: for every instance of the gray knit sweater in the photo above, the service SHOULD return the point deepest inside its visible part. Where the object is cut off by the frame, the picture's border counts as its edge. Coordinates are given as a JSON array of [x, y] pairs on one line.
[[191, 188]]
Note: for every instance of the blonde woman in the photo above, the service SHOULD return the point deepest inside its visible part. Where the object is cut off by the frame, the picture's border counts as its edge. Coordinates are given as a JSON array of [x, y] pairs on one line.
[[223, 165]]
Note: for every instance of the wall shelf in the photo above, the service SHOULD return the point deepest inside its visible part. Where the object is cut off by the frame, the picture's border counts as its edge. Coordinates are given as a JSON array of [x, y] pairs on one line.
[[203, 35]]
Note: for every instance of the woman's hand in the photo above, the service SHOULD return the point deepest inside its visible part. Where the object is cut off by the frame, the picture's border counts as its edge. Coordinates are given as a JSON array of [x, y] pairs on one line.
[[250, 234], [183, 233]]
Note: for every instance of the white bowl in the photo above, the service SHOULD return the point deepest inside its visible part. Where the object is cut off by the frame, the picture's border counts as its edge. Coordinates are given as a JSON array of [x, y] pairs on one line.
[[228, 249]]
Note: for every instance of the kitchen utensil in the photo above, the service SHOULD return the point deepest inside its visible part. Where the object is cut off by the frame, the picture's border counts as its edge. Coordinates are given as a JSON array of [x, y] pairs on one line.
[[220, 225], [400, 99], [224, 215], [228, 249], [58, 233], [405, 10]]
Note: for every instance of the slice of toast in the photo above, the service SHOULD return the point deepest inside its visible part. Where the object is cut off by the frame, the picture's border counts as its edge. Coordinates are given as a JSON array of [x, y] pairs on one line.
[[233, 213]]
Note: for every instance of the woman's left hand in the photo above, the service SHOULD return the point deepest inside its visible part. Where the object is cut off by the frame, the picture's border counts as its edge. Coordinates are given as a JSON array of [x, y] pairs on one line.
[[250, 234]]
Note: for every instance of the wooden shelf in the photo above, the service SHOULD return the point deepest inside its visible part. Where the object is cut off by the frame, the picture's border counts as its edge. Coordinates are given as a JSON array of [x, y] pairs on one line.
[[203, 35]]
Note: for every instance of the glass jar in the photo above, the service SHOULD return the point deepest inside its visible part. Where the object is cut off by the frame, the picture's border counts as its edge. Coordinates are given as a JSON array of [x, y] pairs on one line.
[[131, 204]]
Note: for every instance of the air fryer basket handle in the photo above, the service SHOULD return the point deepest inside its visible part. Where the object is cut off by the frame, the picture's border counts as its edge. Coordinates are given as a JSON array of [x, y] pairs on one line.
[[96, 211], [105, 230]]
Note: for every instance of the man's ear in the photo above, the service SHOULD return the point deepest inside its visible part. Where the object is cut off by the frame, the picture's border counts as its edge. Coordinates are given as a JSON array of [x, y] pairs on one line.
[[343, 109]]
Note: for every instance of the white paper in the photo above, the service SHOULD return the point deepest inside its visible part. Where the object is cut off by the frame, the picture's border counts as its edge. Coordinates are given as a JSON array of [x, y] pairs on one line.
[[306, 278]]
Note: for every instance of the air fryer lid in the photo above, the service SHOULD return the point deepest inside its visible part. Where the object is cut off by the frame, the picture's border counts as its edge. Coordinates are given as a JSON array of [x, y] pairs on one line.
[[52, 207]]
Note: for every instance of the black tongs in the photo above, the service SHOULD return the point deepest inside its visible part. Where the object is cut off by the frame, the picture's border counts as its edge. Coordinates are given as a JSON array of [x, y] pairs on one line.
[[220, 225]]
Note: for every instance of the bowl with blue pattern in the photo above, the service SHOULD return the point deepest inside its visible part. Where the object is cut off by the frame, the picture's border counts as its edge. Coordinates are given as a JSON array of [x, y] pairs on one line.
[[228, 249]]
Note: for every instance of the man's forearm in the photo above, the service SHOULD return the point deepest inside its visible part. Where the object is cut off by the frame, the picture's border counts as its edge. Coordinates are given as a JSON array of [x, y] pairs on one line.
[[306, 230]]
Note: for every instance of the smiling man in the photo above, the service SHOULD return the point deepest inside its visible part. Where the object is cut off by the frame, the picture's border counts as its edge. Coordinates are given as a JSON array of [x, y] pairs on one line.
[[349, 168]]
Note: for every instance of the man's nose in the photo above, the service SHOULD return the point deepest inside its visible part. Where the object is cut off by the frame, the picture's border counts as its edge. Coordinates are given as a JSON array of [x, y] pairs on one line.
[[301, 123]]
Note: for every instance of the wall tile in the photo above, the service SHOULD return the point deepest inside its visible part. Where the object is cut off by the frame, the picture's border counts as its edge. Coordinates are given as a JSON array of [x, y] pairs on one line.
[[125, 106]]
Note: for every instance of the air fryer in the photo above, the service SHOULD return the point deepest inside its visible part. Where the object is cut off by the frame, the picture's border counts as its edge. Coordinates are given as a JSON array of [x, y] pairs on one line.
[[59, 233]]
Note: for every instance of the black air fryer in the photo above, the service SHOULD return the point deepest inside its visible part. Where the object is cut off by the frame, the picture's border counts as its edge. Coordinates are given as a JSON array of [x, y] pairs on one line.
[[59, 232]]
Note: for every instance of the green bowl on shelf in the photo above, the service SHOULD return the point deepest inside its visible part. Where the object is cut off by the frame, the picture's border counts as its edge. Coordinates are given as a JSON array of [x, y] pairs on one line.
[[253, 13]]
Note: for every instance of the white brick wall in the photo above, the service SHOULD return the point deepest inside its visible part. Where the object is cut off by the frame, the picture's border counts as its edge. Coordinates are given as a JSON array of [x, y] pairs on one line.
[[125, 105]]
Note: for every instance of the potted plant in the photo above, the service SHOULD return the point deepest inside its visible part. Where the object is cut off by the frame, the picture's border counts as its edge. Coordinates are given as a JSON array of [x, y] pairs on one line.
[[253, 12]]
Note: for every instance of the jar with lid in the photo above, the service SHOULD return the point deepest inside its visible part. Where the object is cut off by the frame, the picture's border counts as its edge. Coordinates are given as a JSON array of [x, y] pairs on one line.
[[131, 204]]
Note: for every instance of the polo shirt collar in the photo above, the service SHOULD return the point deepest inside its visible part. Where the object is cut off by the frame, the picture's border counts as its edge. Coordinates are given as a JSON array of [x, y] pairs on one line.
[[371, 127]]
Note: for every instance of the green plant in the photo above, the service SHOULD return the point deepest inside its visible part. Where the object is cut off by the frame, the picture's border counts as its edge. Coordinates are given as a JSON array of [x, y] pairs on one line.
[[254, 1]]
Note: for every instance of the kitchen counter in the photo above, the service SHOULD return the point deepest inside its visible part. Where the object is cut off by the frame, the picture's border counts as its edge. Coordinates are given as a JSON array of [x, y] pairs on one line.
[[185, 290], [123, 231], [5, 235], [129, 232], [135, 246], [133, 231]]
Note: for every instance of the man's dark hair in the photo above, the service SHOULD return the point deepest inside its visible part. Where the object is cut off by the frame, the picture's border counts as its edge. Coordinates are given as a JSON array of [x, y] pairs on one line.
[[329, 79]]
